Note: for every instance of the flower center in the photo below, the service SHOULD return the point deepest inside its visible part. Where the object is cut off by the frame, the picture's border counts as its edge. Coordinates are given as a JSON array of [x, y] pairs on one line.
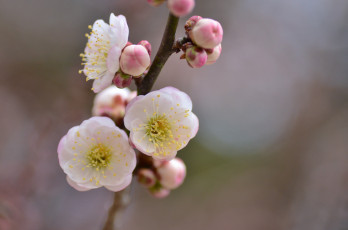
[[99, 156], [158, 129]]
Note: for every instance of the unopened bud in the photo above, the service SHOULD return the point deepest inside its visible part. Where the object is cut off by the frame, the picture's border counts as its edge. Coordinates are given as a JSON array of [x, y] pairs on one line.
[[155, 2], [111, 102], [196, 56], [172, 173], [147, 45], [122, 80], [213, 54], [191, 23], [147, 177], [207, 33], [128, 44], [160, 193], [134, 60], [181, 7]]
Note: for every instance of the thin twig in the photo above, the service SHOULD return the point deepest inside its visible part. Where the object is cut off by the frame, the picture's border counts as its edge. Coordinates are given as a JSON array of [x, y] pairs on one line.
[[163, 53], [121, 200]]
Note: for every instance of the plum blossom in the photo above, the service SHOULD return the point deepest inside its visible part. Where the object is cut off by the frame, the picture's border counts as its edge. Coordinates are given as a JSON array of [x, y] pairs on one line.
[[135, 59], [146, 177], [161, 122], [103, 50], [95, 154], [171, 173], [213, 54], [206, 33], [160, 192], [196, 56], [112, 102], [181, 7]]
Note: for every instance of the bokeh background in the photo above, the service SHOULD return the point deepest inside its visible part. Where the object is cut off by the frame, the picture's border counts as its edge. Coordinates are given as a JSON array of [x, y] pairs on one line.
[[272, 149]]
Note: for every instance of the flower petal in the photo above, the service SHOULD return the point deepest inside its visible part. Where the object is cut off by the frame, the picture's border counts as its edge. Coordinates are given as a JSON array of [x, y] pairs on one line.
[[75, 185], [141, 141], [103, 82], [79, 149], [121, 186], [113, 59], [179, 97], [100, 28], [119, 30]]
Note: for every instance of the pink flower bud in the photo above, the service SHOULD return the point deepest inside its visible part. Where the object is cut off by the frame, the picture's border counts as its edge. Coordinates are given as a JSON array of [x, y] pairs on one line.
[[207, 33], [191, 22], [181, 7], [128, 44], [172, 173], [134, 60], [147, 45], [155, 2], [213, 54], [160, 193], [196, 57], [147, 177], [122, 80]]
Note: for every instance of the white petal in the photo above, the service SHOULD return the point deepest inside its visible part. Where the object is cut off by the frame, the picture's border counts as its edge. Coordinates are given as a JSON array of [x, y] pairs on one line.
[[100, 29], [130, 104], [113, 59], [122, 166], [194, 125], [179, 97], [171, 153], [143, 107], [106, 98], [119, 30], [75, 185], [88, 127], [103, 82], [142, 143], [121, 186], [70, 145]]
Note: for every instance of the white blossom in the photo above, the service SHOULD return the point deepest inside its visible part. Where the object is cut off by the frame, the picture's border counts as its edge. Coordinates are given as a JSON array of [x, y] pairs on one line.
[[103, 50], [161, 122], [95, 154]]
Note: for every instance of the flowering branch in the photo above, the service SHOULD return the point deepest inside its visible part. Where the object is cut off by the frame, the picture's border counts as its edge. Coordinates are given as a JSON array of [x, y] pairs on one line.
[[165, 50], [163, 53], [131, 135]]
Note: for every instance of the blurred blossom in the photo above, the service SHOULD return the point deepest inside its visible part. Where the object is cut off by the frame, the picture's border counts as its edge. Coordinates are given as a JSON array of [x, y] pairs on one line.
[[112, 102], [171, 173]]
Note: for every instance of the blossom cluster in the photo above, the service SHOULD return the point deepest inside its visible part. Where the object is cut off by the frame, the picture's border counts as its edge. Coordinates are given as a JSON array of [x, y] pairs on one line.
[[109, 56], [163, 177], [102, 151], [204, 41]]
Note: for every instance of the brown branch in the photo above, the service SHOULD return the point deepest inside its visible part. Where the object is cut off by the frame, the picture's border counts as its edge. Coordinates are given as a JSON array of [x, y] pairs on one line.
[[163, 53], [121, 200]]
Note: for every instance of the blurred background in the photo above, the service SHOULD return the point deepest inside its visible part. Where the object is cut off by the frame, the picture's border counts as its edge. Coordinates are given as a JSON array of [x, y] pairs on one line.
[[272, 149]]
